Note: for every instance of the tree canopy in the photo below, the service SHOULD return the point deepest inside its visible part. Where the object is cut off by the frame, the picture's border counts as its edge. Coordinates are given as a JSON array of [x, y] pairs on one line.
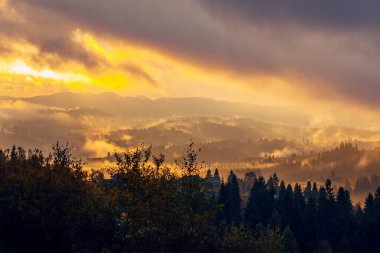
[[49, 203]]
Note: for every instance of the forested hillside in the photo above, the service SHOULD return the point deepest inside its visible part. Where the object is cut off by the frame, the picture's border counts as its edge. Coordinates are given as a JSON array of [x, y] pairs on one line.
[[48, 203]]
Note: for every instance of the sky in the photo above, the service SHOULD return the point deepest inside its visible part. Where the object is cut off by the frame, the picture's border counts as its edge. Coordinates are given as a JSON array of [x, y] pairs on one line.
[[322, 55]]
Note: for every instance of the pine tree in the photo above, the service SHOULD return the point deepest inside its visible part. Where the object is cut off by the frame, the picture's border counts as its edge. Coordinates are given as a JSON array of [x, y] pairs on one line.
[[275, 221], [315, 192], [330, 191], [221, 205], [216, 174], [261, 200], [208, 175], [343, 201], [233, 205], [252, 215], [323, 212], [324, 247], [370, 226], [369, 204], [280, 202], [345, 246], [272, 184], [307, 192], [288, 200], [289, 241], [344, 223], [298, 210], [377, 201], [310, 230]]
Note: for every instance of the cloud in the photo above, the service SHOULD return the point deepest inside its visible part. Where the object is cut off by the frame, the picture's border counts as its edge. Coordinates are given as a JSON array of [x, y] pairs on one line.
[[51, 34], [139, 72], [328, 49], [37, 126], [161, 24], [100, 148], [349, 14]]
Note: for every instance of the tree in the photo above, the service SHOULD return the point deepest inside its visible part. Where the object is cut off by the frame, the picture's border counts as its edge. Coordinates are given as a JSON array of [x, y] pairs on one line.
[[324, 247], [324, 219], [310, 230], [216, 174], [315, 193], [330, 191], [208, 175], [221, 212], [233, 204], [287, 212], [369, 204], [158, 211], [46, 203], [272, 184], [275, 221], [290, 242], [344, 223], [377, 200], [280, 202], [50, 204], [307, 192], [260, 204]]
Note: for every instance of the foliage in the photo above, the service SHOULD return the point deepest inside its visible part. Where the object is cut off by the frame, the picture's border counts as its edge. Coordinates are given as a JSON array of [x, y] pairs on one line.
[[46, 200], [50, 204]]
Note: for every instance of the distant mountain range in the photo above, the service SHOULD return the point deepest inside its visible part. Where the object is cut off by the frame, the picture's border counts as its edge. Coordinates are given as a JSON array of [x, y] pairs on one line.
[[95, 124], [231, 135], [142, 108]]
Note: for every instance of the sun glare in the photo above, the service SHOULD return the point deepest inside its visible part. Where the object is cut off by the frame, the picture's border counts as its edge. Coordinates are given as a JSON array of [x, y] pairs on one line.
[[20, 68]]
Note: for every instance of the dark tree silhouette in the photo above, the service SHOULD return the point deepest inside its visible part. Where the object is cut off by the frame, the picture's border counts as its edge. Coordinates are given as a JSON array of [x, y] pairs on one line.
[[50, 204]]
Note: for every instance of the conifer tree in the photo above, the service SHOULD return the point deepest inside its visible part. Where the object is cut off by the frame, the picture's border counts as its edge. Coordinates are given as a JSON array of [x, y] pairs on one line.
[[221, 204], [208, 175], [307, 192], [310, 230], [298, 210], [344, 223], [324, 247], [330, 191], [216, 173], [369, 204], [233, 204], [314, 191], [289, 241]]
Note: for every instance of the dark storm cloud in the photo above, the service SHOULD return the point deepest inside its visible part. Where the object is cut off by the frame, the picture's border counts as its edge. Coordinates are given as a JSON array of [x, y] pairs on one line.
[[330, 48]]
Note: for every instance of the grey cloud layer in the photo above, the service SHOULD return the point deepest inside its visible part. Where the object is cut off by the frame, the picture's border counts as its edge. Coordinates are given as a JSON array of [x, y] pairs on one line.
[[51, 34], [335, 14], [331, 46]]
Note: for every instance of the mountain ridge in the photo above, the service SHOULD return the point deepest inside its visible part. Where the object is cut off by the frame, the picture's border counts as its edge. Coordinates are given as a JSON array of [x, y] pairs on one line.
[[142, 108]]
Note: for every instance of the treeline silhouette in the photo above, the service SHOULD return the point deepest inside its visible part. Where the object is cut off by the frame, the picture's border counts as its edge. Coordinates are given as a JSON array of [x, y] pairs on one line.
[[51, 204], [311, 219]]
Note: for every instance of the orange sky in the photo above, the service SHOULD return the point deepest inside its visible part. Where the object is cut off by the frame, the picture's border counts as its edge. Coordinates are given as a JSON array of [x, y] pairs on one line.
[[79, 53], [128, 69]]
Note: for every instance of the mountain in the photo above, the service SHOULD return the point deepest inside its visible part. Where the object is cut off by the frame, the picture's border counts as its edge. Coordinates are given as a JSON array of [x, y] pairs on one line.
[[237, 132], [231, 135], [141, 108], [96, 121]]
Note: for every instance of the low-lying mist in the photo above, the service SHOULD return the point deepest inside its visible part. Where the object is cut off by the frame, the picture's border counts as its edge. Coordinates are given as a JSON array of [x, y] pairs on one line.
[[96, 126]]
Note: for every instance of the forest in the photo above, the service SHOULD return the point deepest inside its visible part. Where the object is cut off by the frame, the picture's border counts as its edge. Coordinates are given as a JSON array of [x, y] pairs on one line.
[[50, 203]]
